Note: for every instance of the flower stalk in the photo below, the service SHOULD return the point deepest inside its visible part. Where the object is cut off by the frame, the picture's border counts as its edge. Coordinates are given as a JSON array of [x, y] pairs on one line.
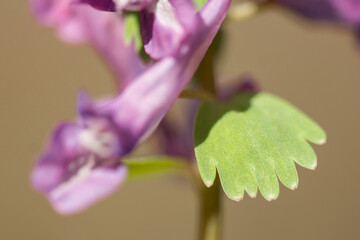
[[196, 94], [206, 73], [211, 217], [210, 197]]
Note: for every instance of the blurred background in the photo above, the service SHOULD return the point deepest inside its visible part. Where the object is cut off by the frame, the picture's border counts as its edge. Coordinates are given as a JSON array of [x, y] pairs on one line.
[[317, 68]]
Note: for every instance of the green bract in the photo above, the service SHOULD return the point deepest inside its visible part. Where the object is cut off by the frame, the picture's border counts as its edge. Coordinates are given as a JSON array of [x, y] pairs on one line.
[[132, 30], [253, 141], [199, 3], [155, 165]]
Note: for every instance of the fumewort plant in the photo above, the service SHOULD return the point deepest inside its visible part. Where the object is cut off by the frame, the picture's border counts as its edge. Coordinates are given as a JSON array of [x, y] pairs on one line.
[[237, 140]]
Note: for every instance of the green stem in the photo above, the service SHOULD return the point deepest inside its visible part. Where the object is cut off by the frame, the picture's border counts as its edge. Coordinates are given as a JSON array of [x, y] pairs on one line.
[[196, 94], [210, 221], [210, 198], [206, 72]]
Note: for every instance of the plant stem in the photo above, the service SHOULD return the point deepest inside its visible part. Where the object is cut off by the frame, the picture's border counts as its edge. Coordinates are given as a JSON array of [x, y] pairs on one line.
[[206, 72], [210, 198], [210, 221], [196, 94]]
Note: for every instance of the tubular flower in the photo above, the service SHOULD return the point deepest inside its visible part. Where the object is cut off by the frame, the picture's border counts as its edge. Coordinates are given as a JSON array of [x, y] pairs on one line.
[[82, 162], [340, 11], [347, 11], [315, 9], [78, 23], [80, 165]]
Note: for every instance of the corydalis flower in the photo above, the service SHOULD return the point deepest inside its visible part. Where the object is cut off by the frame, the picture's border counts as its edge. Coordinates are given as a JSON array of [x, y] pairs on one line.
[[347, 11], [164, 23], [339, 11], [77, 23], [81, 164]]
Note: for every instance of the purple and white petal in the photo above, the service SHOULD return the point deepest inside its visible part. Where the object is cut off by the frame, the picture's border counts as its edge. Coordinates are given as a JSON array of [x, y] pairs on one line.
[[86, 188], [80, 166], [165, 24], [50, 169], [132, 5]]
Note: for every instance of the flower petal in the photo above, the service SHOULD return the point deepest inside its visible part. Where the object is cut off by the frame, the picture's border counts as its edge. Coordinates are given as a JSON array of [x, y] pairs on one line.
[[85, 190], [164, 24], [132, 5], [50, 169]]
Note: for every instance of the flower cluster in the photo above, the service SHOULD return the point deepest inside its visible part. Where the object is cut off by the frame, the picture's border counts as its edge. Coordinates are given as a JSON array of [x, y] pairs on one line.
[[82, 162]]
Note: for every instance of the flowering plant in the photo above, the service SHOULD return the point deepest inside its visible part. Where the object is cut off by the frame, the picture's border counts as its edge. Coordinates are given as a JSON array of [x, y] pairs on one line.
[[241, 139]]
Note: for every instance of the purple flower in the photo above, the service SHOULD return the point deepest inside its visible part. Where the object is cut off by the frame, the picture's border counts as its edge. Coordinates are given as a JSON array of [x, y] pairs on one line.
[[81, 164], [315, 9], [78, 23], [339, 11], [347, 11]]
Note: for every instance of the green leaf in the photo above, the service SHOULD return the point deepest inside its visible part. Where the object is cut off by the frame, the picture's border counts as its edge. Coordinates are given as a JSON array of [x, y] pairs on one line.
[[153, 166], [253, 141], [199, 3], [132, 30]]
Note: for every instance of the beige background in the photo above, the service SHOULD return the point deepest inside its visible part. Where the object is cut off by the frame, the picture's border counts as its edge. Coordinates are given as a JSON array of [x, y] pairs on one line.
[[317, 69]]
